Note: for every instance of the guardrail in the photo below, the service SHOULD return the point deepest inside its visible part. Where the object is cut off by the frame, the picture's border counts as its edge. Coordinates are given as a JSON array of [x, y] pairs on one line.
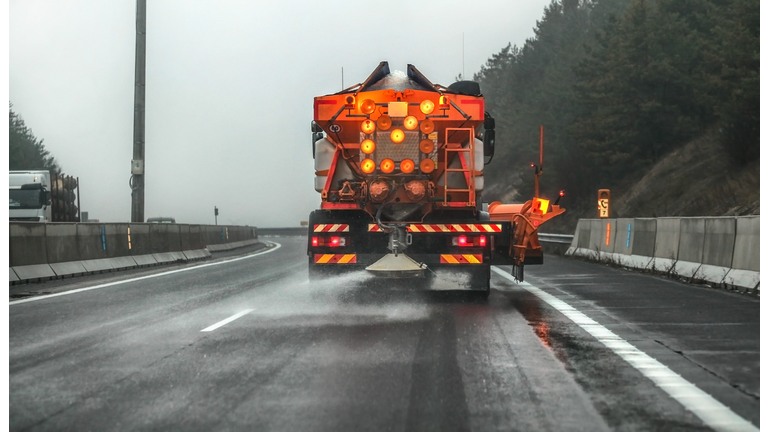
[[555, 238]]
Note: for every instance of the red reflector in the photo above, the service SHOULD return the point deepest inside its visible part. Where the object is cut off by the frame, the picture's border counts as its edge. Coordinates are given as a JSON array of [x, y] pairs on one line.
[[314, 241], [482, 240]]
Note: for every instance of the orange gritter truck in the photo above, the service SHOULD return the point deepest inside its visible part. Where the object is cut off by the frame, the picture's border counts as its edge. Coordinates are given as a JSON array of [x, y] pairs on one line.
[[399, 167]]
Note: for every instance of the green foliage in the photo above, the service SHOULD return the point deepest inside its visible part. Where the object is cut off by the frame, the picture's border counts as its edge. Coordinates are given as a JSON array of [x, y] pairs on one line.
[[617, 85], [27, 152]]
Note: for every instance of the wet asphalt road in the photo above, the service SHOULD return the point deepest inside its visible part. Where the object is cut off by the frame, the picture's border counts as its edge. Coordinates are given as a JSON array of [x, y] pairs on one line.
[[353, 354]]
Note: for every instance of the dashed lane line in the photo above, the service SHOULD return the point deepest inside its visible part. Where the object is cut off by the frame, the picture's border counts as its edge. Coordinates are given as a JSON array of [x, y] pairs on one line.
[[711, 411], [226, 321], [79, 290]]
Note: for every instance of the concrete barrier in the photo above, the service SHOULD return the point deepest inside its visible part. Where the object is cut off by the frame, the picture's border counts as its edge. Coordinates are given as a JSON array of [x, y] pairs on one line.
[[745, 268], [624, 235], [720, 250], [61, 243], [41, 251], [666, 244], [91, 242], [717, 254], [140, 242], [27, 244]]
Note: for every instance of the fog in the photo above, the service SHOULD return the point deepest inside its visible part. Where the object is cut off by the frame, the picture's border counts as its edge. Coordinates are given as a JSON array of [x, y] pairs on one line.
[[229, 90]]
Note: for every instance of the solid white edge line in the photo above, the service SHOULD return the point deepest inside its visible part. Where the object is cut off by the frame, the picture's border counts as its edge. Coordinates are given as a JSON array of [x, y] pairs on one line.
[[711, 411], [226, 321], [79, 290]]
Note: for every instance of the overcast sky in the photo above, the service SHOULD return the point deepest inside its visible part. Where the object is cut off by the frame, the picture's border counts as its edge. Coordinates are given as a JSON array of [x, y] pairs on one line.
[[229, 90]]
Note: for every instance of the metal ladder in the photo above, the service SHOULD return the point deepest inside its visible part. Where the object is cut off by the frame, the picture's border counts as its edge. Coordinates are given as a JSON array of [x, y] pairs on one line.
[[467, 168]]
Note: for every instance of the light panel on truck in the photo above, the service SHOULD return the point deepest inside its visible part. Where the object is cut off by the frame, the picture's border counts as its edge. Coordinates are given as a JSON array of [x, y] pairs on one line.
[[367, 165], [367, 106], [410, 123], [397, 136], [384, 122], [407, 166], [427, 106], [368, 126], [367, 146], [387, 166]]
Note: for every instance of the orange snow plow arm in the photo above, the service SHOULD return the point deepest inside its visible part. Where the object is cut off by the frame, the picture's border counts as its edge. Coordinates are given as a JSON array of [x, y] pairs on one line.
[[526, 220]]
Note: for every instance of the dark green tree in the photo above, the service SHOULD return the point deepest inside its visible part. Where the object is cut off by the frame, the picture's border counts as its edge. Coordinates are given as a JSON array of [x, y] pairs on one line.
[[27, 152]]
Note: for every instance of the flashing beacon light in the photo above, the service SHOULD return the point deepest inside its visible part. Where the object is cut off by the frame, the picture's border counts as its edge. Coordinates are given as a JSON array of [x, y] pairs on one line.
[[350, 100], [427, 166], [367, 106], [368, 126], [426, 146], [384, 122], [407, 166], [367, 165], [387, 166], [397, 136], [442, 101], [367, 146], [410, 123], [427, 127], [427, 106]]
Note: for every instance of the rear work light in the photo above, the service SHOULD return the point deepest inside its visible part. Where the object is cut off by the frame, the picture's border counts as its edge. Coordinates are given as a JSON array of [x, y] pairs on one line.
[[368, 126], [407, 166], [367, 106], [397, 136], [329, 241], [427, 106], [368, 166], [410, 123], [387, 166], [367, 146], [469, 241]]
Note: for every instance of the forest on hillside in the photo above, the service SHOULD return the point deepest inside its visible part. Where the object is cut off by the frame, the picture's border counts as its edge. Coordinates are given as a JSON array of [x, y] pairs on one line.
[[617, 85]]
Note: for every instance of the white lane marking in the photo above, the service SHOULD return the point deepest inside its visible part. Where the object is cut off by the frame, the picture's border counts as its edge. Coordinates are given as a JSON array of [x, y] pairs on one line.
[[31, 299], [713, 413], [226, 321]]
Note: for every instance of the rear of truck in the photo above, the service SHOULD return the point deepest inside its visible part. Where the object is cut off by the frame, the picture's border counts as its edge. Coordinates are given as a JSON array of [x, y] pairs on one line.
[[399, 167]]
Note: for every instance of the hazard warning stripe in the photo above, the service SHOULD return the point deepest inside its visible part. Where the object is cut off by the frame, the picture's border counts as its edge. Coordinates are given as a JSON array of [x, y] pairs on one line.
[[441, 228], [332, 228], [335, 258], [461, 259]]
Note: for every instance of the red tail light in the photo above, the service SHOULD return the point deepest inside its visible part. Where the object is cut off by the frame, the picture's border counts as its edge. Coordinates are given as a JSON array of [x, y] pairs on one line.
[[471, 241], [329, 241]]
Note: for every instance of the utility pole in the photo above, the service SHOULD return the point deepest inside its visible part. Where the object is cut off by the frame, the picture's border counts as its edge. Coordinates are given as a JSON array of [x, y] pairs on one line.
[[137, 164]]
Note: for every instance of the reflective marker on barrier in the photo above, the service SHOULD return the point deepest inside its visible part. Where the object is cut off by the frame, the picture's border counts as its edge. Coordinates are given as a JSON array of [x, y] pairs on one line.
[[629, 230], [103, 239]]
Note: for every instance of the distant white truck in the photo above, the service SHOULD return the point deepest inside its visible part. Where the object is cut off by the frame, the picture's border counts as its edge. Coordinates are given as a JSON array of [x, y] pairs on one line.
[[29, 196]]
